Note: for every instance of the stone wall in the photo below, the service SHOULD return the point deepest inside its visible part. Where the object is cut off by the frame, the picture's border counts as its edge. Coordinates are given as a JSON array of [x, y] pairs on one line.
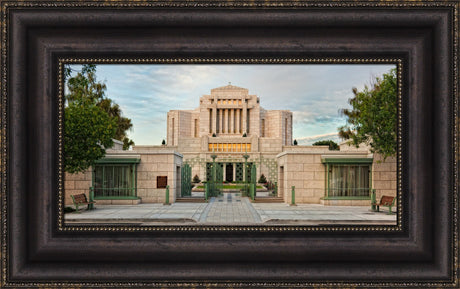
[[189, 144], [305, 171], [75, 184], [158, 164], [154, 161], [270, 145], [384, 179], [302, 167]]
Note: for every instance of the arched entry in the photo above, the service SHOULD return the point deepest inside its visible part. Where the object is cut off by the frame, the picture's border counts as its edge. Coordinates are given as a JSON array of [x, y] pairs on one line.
[[229, 172]]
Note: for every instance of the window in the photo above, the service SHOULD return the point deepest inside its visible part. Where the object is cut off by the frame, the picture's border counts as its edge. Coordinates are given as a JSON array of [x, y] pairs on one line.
[[228, 147], [262, 133], [348, 178], [196, 128], [115, 179]]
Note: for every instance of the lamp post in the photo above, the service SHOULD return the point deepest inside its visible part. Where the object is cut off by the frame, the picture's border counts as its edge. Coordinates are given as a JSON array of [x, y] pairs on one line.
[[213, 175], [245, 173]]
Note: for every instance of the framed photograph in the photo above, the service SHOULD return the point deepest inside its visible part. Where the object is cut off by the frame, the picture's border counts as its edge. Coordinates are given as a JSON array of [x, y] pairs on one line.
[[229, 144]]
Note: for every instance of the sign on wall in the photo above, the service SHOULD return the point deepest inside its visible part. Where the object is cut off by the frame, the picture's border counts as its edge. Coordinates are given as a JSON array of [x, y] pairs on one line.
[[162, 182]]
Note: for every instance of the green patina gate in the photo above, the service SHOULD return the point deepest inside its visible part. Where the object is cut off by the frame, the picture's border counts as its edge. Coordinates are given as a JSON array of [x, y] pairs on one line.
[[214, 179], [245, 172], [186, 181], [250, 181]]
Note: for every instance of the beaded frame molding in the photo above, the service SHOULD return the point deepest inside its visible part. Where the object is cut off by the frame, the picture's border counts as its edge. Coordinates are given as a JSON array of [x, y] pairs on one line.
[[39, 250]]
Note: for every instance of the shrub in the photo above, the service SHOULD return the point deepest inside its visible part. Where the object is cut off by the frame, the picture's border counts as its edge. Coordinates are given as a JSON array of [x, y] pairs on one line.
[[163, 142], [196, 179], [333, 146], [69, 210], [295, 142], [262, 179]]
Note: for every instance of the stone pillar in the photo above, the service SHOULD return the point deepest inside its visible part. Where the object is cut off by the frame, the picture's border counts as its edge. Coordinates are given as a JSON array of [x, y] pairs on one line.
[[234, 171], [238, 129], [214, 120], [220, 120], [232, 121], [225, 121], [245, 111]]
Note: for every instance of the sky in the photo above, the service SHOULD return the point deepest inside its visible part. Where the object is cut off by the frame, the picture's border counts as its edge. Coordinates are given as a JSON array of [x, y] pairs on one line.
[[314, 93]]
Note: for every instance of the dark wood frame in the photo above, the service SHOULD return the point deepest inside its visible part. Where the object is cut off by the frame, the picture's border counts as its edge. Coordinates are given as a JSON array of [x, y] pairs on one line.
[[422, 252]]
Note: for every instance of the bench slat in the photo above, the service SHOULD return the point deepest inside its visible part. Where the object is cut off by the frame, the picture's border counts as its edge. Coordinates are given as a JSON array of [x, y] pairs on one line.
[[81, 199]]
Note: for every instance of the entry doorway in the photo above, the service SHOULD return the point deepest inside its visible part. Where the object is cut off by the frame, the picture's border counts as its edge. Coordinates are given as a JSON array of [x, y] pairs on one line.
[[178, 182], [229, 172], [281, 182]]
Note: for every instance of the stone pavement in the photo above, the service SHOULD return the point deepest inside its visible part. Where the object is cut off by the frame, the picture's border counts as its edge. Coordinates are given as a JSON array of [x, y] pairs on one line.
[[231, 209]]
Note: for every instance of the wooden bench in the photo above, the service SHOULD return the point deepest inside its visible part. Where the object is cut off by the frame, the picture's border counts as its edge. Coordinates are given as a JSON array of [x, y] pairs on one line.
[[385, 201], [80, 199]]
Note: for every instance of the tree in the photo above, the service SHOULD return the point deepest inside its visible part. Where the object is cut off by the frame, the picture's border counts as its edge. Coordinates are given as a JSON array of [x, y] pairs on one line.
[[88, 131], [262, 179], [124, 123], [333, 146], [91, 121], [295, 142], [163, 142], [196, 179], [373, 118], [85, 87]]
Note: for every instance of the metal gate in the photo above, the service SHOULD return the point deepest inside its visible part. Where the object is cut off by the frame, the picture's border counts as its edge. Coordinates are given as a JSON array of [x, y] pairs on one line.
[[250, 181], [186, 181], [215, 179]]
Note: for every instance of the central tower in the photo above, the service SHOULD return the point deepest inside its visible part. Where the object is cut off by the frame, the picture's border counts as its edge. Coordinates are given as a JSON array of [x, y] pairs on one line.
[[229, 111]]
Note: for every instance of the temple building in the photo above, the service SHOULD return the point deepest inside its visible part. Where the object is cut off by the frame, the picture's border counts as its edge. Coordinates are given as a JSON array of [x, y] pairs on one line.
[[230, 123], [232, 130]]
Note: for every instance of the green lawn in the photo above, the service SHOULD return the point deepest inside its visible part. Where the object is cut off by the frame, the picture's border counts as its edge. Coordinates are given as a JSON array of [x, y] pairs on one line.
[[236, 187]]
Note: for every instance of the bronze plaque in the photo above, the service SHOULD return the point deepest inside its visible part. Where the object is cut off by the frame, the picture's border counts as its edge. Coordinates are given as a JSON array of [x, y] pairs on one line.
[[162, 182]]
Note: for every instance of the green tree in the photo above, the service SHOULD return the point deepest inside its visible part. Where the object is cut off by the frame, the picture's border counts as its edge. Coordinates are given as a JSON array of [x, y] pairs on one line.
[[124, 123], [262, 179], [373, 117], [88, 130], [333, 146], [84, 87], [196, 179]]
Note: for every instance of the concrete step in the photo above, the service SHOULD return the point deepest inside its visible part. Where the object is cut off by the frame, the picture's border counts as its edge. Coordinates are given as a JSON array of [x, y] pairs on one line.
[[118, 202], [268, 200], [190, 200]]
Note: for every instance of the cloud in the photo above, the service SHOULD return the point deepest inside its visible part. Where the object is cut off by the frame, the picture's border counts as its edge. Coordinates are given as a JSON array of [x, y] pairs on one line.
[[314, 93]]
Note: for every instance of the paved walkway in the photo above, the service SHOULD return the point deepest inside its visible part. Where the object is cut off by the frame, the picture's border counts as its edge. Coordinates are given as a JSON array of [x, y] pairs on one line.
[[231, 209]]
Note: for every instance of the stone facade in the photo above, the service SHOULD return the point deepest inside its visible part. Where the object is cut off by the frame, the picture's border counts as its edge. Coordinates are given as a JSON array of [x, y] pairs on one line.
[[157, 161], [304, 168], [75, 184], [154, 161], [229, 116]]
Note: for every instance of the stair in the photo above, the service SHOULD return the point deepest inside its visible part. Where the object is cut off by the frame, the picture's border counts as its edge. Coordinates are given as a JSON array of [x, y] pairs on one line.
[[268, 200], [190, 200]]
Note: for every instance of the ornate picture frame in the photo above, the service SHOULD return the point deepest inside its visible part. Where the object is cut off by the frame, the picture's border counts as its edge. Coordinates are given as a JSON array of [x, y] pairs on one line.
[[39, 250]]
